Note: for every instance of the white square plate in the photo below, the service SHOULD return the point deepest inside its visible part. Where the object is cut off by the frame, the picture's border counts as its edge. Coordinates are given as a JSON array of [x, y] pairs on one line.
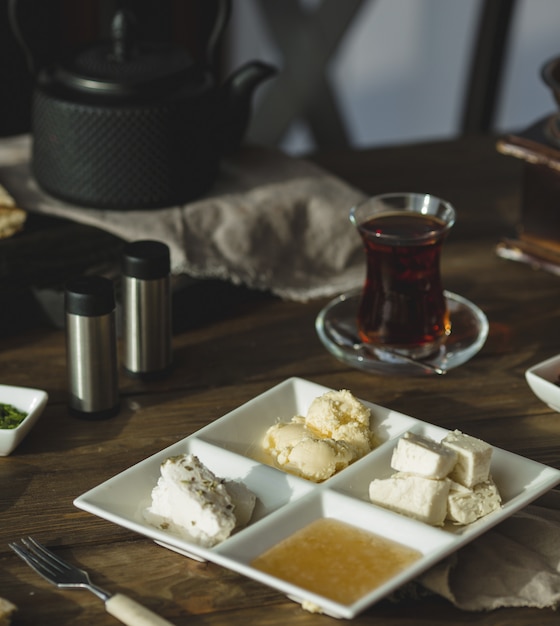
[[231, 448]]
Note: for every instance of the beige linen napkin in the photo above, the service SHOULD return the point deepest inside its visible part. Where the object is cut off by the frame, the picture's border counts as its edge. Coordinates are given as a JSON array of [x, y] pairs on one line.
[[517, 563], [271, 222]]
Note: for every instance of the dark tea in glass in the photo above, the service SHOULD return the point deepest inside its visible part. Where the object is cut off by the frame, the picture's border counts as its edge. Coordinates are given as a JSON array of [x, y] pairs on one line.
[[403, 306]]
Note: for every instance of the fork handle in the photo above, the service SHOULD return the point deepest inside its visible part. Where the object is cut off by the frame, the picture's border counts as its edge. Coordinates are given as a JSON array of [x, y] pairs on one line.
[[132, 613]]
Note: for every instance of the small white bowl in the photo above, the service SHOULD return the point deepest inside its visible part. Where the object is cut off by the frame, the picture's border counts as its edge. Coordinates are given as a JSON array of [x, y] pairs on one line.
[[544, 380], [32, 402]]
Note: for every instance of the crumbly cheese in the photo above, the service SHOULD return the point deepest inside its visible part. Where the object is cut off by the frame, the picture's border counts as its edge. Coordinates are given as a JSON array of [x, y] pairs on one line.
[[473, 458], [340, 416], [420, 455], [12, 218], [191, 501], [7, 609], [465, 506], [422, 498], [334, 433]]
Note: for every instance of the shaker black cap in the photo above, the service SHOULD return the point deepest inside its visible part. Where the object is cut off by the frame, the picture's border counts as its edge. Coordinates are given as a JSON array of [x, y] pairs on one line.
[[146, 259], [89, 296]]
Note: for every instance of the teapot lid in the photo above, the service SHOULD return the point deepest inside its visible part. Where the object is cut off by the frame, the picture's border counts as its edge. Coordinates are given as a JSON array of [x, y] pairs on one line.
[[123, 66]]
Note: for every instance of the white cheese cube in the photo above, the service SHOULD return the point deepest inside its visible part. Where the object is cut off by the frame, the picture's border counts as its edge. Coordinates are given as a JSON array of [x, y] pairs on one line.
[[465, 506], [415, 496], [473, 458], [423, 456]]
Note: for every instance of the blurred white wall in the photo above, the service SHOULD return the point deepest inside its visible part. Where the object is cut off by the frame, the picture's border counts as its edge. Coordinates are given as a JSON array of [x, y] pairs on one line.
[[400, 72]]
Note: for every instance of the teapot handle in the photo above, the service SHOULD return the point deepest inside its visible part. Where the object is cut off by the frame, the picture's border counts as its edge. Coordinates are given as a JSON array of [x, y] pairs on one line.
[[34, 25], [221, 20], [13, 8]]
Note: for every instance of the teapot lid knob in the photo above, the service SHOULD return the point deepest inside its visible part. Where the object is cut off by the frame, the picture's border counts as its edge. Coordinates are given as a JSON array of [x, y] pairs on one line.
[[123, 31], [126, 66]]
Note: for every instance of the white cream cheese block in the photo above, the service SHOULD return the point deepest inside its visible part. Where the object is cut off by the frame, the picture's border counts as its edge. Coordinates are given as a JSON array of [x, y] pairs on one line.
[[244, 501], [193, 502], [420, 455], [465, 506], [473, 458], [422, 498]]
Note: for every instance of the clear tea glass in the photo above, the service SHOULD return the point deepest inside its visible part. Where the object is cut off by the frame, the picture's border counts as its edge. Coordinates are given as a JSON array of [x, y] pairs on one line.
[[403, 306]]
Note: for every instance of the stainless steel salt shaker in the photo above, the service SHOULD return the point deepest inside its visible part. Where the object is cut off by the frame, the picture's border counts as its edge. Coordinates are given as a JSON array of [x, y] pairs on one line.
[[91, 347], [146, 296]]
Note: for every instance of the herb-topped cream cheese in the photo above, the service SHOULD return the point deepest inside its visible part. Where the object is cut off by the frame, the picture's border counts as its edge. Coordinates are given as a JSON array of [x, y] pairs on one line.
[[191, 501]]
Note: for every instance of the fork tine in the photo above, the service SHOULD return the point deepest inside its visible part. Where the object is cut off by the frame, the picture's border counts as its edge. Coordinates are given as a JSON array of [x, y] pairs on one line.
[[40, 566], [55, 569], [47, 564], [45, 556]]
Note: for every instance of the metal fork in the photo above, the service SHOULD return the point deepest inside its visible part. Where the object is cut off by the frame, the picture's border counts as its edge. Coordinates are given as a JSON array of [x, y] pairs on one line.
[[64, 575]]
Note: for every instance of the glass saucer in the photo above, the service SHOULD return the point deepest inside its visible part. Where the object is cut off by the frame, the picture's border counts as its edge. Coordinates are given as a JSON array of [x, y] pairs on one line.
[[336, 326]]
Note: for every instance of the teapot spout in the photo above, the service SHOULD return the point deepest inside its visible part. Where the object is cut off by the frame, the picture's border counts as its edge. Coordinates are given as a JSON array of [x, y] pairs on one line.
[[237, 98]]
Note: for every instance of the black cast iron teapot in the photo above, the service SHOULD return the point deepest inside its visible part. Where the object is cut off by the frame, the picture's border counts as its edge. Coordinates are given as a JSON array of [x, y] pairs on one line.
[[127, 124]]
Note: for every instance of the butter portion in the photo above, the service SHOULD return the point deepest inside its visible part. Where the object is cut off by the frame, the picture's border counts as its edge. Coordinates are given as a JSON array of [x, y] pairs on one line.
[[334, 433], [307, 455]]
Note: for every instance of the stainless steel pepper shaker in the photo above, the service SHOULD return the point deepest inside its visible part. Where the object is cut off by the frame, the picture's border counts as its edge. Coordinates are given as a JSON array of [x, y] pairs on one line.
[[91, 347], [146, 295]]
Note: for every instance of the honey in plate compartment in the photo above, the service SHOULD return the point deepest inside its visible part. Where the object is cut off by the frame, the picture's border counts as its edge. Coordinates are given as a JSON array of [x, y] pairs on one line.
[[336, 560]]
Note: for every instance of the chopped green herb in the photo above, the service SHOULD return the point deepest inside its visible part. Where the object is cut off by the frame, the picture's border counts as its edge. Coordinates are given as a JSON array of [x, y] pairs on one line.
[[10, 417]]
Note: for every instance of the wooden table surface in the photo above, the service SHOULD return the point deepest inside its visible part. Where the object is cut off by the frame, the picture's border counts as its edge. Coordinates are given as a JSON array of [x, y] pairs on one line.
[[231, 344]]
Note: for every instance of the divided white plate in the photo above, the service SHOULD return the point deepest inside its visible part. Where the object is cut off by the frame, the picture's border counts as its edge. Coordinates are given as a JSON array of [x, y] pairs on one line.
[[231, 448]]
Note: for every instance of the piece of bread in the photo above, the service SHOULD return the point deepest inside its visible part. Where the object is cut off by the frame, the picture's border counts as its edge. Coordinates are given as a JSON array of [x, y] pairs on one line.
[[12, 218], [7, 609]]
